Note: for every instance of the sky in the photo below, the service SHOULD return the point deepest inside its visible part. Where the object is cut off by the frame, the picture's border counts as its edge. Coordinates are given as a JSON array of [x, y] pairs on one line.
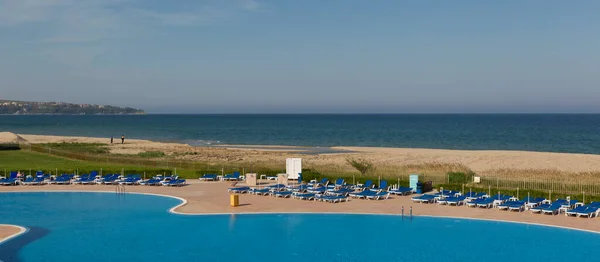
[[309, 56]]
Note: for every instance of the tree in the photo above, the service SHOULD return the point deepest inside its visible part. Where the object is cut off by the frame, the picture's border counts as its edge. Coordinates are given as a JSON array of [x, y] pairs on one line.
[[362, 165]]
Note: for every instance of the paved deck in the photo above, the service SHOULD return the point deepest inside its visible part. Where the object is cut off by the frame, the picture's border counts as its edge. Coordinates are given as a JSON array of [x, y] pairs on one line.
[[212, 197], [7, 231]]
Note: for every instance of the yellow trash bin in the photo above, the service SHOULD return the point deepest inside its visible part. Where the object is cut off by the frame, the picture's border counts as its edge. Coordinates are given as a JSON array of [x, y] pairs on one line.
[[234, 200]]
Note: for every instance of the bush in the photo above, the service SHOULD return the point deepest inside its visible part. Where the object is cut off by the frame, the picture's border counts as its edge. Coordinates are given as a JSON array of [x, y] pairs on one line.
[[151, 154]]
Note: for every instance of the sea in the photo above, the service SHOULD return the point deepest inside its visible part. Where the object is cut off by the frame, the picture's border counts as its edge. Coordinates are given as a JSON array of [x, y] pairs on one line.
[[568, 133]]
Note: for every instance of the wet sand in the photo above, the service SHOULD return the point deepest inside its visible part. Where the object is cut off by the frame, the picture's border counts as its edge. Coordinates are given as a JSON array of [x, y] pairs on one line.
[[212, 198]]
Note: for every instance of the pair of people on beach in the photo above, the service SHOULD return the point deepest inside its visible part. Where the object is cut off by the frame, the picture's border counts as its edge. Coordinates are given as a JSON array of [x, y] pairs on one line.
[[122, 139]]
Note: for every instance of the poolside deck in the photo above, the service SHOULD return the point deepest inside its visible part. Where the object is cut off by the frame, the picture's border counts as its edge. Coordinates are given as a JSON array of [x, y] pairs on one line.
[[7, 231], [212, 197]]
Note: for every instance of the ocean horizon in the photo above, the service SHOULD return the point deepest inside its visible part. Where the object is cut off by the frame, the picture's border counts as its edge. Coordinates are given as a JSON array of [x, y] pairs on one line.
[[567, 133]]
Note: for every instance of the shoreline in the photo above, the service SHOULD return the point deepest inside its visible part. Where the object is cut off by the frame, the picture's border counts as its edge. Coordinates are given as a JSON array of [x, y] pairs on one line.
[[211, 198]]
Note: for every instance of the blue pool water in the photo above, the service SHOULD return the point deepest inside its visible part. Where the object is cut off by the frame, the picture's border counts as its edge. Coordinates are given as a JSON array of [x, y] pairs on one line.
[[106, 227]]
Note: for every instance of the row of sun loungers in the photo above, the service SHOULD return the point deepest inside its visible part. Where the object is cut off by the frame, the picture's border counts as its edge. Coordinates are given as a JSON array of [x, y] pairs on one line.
[[509, 203], [325, 192], [93, 178]]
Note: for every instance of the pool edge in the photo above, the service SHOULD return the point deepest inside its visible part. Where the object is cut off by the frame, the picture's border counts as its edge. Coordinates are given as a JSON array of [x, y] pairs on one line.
[[184, 202]]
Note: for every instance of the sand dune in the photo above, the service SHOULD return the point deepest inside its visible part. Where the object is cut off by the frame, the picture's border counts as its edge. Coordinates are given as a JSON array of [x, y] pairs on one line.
[[479, 161]]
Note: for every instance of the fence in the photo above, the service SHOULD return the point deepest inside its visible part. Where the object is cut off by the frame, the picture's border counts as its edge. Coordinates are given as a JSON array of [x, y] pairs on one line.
[[541, 184]]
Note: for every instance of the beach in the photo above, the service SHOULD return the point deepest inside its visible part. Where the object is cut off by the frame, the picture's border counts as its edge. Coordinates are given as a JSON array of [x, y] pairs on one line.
[[213, 198], [483, 162]]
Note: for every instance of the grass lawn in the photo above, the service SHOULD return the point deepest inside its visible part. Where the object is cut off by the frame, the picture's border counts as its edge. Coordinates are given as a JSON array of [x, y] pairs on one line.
[[26, 160]]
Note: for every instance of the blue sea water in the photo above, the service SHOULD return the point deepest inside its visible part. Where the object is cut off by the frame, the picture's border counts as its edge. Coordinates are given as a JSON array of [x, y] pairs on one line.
[[108, 227], [552, 133]]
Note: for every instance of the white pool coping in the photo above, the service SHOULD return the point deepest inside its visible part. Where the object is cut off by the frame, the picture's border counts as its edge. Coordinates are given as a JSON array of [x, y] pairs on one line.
[[22, 230]]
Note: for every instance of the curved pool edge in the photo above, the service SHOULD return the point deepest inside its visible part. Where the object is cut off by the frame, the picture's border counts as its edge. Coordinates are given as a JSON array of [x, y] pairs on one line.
[[184, 202], [22, 230]]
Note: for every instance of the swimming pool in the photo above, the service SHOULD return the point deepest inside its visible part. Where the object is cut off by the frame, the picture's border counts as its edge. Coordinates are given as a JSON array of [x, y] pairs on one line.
[[109, 227]]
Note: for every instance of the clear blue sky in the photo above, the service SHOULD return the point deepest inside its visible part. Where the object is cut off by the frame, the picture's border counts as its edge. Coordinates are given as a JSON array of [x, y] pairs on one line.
[[228, 56]]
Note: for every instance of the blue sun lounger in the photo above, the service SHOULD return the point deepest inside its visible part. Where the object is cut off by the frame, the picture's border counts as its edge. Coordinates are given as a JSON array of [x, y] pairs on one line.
[[150, 182], [362, 194], [11, 180], [425, 198], [340, 192], [282, 194], [238, 190], [175, 182], [331, 199], [485, 202], [512, 206], [259, 192], [304, 196], [554, 208], [456, 201], [338, 183], [324, 182], [208, 177], [110, 179], [591, 210], [367, 185], [538, 209], [382, 195], [401, 191], [232, 177], [316, 190]]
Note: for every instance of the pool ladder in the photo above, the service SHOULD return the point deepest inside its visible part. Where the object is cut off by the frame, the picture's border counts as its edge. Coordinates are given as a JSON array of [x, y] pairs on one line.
[[120, 189], [410, 214]]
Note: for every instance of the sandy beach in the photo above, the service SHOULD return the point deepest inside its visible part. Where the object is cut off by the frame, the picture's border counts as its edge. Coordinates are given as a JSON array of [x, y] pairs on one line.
[[7, 231], [212, 198], [482, 162]]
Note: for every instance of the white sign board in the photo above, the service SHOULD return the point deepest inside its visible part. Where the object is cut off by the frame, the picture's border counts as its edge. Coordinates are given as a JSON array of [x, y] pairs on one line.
[[293, 166]]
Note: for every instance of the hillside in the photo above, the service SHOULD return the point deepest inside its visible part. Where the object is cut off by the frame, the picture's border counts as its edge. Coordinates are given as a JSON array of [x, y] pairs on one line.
[[8, 107]]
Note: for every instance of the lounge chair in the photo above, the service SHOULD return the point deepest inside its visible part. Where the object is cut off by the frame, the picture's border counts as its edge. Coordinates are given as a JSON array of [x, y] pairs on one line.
[[338, 184], [316, 190], [238, 190], [382, 186], [63, 179], [232, 177], [304, 196], [538, 209], [554, 208], [331, 199], [259, 192], [324, 182], [298, 188], [150, 182], [208, 177], [110, 179], [591, 210], [340, 192], [175, 182], [132, 179], [11, 180], [456, 201], [367, 185], [512, 206], [485, 203], [382, 195], [401, 191], [425, 198], [81, 178], [282, 194]]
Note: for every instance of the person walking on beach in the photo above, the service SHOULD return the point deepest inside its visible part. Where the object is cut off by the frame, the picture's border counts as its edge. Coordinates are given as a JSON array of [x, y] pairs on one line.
[[111, 139], [123, 139]]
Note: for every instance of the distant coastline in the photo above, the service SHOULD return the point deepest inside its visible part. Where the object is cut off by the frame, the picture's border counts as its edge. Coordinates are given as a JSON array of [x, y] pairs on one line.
[[11, 107]]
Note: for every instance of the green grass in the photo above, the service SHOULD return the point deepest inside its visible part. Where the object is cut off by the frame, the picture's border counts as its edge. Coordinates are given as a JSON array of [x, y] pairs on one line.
[[151, 154], [26, 160], [87, 148]]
